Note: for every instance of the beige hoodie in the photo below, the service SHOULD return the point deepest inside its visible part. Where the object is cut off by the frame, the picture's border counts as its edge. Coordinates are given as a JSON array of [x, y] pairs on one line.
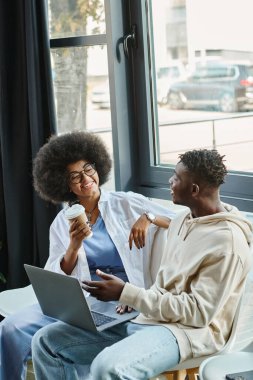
[[199, 282]]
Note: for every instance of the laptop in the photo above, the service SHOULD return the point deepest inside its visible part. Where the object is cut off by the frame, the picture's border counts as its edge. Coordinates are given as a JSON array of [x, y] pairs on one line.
[[63, 298]]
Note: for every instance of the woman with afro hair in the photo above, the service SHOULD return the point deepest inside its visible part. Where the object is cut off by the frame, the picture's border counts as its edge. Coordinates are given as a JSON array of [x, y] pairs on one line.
[[69, 169]]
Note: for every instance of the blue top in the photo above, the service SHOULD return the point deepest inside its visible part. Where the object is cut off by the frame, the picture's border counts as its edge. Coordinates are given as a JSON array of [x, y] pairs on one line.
[[100, 250]]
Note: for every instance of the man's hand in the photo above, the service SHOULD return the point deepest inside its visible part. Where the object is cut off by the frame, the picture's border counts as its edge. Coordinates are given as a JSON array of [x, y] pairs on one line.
[[139, 232], [108, 290]]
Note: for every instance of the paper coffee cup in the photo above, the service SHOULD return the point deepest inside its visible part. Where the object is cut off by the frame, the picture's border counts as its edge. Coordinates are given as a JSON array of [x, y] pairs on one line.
[[77, 212]]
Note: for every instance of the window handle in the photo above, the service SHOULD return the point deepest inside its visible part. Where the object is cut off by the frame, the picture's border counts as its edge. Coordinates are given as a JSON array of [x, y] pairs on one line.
[[130, 38]]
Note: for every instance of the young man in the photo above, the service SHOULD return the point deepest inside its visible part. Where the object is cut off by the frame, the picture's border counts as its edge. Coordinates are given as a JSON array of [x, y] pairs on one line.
[[189, 310]]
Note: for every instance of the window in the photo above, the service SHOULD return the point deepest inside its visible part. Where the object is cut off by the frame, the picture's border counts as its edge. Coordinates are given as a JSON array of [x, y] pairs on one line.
[[80, 68], [187, 83], [215, 72], [210, 105]]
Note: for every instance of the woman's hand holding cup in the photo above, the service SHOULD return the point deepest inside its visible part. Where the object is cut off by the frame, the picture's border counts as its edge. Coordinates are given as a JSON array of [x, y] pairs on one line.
[[79, 228]]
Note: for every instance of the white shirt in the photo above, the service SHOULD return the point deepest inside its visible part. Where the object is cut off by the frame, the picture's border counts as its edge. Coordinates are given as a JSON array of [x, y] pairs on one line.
[[119, 210]]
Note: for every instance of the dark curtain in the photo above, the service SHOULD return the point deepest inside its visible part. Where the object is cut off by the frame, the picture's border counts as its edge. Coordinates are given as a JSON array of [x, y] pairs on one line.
[[27, 119]]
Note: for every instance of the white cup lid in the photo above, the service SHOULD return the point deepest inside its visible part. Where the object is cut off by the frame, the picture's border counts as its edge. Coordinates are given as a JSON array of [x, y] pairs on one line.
[[74, 211]]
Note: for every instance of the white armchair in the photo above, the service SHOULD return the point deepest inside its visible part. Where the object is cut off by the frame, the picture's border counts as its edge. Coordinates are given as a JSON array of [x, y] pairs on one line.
[[13, 300], [240, 356]]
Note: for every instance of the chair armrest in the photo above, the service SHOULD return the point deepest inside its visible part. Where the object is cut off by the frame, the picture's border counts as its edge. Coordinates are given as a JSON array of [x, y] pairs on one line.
[[13, 300]]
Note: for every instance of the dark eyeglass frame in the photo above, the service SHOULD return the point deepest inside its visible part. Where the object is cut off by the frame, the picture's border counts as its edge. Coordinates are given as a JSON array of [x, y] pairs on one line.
[[77, 177]]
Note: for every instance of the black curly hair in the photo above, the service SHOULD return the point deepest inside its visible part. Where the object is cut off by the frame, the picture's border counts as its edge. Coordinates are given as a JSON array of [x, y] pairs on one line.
[[205, 165], [50, 175]]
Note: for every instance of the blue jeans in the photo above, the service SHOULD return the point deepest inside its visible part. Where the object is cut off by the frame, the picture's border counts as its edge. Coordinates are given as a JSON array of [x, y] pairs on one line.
[[16, 332], [128, 351]]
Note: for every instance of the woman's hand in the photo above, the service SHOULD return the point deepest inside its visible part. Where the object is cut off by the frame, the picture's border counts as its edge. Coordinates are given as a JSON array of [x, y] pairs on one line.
[[77, 232], [122, 309], [139, 232]]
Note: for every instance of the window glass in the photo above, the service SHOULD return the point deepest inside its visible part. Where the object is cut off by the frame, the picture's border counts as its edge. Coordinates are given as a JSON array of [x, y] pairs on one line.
[[217, 71], [68, 18], [204, 78], [81, 86], [80, 68], [81, 91]]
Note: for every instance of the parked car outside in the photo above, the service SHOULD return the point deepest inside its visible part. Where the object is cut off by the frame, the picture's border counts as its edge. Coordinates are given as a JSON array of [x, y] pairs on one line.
[[167, 75], [227, 87], [100, 95]]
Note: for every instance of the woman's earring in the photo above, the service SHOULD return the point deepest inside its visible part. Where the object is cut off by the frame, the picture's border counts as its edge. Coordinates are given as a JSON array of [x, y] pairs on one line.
[[196, 187]]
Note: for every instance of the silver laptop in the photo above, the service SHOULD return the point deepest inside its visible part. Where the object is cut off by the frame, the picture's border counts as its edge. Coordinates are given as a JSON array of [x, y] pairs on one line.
[[62, 297]]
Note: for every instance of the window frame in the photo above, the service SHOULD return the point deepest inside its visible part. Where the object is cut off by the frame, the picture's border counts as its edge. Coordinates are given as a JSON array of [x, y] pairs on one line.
[[153, 179], [116, 12]]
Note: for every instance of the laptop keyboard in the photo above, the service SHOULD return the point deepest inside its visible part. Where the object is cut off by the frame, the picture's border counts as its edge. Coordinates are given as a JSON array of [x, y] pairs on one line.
[[101, 319]]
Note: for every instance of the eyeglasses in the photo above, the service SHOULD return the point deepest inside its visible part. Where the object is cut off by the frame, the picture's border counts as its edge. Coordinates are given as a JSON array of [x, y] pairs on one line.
[[76, 177]]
